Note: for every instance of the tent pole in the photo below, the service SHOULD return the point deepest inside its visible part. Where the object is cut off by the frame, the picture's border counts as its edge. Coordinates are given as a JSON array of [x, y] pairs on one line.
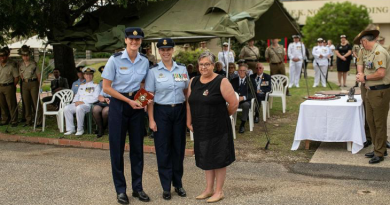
[[227, 60], [40, 86]]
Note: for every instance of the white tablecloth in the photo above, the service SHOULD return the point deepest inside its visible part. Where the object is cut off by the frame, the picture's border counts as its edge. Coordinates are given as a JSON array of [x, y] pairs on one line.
[[331, 121]]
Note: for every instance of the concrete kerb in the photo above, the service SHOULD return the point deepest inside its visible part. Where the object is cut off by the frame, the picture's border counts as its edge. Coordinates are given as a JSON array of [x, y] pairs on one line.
[[75, 143]]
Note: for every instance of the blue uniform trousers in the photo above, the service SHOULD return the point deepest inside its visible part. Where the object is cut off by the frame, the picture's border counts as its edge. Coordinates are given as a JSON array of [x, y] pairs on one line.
[[124, 119], [170, 141]]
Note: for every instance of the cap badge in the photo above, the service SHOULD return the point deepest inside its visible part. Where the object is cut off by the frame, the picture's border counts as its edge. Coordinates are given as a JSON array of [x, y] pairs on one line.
[[165, 42], [135, 33]]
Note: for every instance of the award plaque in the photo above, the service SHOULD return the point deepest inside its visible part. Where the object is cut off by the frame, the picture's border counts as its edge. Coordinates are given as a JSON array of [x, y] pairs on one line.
[[142, 97]]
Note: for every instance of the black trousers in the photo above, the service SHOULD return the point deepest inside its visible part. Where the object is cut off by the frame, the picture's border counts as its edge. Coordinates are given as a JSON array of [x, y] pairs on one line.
[[170, 142], [124, 119]]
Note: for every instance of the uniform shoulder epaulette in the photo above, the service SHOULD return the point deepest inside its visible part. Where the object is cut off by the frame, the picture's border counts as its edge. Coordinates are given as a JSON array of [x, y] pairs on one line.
[[117, 54], [182, 64], [153, 66], [143, 55]]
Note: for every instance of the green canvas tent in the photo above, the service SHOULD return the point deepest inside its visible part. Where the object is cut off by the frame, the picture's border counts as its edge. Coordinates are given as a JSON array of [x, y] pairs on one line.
[[183, 20]]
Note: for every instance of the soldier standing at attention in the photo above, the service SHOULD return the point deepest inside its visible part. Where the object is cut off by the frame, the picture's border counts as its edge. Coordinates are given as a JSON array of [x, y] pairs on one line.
[[251, 54], [296, 54], [9, 77], [122, 77], [31, 77], [373, 65], [274, 54], [203, 47]]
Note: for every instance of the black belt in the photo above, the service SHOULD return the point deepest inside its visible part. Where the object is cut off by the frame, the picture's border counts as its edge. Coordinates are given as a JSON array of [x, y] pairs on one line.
[[30, 80], [276, 63], [130, 94], [169, 105], [247, 60], [5, 84], [379, 87]]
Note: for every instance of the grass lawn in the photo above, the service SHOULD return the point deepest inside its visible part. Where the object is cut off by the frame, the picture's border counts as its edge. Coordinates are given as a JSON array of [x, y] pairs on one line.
[[249, 146]]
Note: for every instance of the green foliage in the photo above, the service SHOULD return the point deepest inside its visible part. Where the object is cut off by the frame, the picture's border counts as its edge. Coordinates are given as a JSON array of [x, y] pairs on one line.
[[335, 19], [187, 57], [101, 55], [25, 18]]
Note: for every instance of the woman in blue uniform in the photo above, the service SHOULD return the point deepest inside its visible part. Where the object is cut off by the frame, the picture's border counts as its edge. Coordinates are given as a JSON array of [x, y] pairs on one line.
[[122, 77], [168, 81]]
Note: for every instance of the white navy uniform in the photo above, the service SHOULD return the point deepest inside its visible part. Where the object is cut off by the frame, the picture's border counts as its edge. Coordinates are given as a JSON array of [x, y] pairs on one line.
[[225, 57], [87, 93], [296, 50], [320, 64]]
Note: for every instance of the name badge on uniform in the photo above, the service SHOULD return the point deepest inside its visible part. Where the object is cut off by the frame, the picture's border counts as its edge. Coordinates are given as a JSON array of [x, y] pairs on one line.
[[123, 68]]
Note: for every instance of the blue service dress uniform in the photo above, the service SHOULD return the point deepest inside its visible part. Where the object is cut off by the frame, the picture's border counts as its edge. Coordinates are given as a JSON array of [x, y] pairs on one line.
[[126, 77], [170, 116]]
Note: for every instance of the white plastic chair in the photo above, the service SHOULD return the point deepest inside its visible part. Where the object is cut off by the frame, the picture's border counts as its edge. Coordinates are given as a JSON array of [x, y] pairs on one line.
[[279, 88], [65, 96], [265, 107], [251, 113], [233, 129]]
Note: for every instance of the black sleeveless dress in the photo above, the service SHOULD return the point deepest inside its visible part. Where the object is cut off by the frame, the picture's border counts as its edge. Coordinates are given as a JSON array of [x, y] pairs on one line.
[[213, 135]]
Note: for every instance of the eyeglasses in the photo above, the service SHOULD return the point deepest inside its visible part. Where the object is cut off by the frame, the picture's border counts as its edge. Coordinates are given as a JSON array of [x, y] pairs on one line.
[[206, 65]]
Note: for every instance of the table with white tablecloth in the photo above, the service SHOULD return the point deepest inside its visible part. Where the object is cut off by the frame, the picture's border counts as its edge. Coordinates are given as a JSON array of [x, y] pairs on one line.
[[331, 121]]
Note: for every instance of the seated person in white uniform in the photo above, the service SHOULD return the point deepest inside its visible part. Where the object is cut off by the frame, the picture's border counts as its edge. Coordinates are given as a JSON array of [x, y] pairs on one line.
[[87, 94]]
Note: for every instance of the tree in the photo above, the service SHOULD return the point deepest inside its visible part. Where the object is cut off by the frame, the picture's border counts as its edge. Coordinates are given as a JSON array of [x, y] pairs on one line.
[[335, 19], [25, 18]]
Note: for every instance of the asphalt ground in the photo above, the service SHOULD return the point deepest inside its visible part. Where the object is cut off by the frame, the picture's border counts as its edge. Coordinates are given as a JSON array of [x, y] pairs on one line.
[[45, 174]]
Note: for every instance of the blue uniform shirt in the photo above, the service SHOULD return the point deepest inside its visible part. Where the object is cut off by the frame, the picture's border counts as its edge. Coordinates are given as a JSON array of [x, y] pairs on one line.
[[167, 85], [126, 76], [101, 90], [76, 84]]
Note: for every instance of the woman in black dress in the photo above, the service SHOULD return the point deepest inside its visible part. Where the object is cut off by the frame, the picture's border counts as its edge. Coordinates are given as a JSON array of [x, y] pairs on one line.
[[344, 56], [208, 117]]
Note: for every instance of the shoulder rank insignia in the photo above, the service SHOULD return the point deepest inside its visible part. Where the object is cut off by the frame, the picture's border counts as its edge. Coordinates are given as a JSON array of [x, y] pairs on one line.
[[377, 53], [181, 64], [153, 66], [117, 54], [380, 62], [144, 55]]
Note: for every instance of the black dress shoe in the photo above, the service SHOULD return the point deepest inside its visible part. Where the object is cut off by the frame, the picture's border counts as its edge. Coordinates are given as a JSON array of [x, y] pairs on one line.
[[141, 195], [375, 160], [167, 195], [367, 143], [257, 120], [388, 144], [181, 192], [122, 198], [242, 129], [372, 154]]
